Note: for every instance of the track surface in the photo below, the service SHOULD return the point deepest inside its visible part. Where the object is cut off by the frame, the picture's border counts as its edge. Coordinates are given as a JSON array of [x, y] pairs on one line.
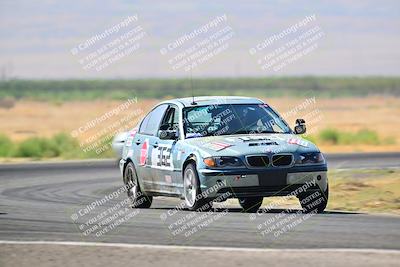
[[38, 200]]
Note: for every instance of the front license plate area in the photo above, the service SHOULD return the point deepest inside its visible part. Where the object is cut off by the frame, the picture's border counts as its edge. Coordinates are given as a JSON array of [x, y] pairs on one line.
[[272, 178]]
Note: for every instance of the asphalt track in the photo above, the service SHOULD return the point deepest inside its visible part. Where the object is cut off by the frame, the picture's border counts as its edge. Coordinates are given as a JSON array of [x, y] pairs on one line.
[[37, 201], [48, 201]]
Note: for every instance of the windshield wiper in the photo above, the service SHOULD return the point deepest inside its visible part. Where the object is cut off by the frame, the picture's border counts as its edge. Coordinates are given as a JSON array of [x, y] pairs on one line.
[[241, 132]]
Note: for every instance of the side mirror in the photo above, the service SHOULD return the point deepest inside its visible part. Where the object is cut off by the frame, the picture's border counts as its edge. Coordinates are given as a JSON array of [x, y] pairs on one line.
[[168, 134], [300, 127], [165, 126]]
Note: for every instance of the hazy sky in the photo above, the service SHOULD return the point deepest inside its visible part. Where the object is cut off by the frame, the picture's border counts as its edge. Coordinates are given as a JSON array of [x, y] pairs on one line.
[[359, 37]]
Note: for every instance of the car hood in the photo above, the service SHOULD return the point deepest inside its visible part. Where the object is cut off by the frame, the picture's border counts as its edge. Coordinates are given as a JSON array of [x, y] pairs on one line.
[[235, 145]]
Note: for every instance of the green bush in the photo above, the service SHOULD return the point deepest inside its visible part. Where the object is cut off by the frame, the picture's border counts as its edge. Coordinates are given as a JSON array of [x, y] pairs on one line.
[[66, 145], [65, 90], [6, 146], [60, 145], [363, 137], [368, 137], [38, 148], [329, 136]]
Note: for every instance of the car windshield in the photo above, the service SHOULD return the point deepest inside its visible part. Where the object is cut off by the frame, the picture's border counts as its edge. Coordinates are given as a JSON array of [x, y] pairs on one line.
[[231, 119]]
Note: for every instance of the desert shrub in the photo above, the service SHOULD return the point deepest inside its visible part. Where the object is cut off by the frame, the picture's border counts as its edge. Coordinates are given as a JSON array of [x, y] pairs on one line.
[[6, 146], [361, 137], [36, 147], [60, 145], [65, 90], [65, 143], [329, 136], [366, 136]]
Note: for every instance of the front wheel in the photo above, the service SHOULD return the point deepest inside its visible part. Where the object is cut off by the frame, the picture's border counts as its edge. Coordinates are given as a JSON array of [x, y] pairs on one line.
[[314, 202], [250, 204], [191, 190], [137, 197]]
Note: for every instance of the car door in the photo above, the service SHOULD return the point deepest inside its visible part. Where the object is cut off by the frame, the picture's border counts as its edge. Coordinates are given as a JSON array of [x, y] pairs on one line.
[[164, 155], [144, 142]]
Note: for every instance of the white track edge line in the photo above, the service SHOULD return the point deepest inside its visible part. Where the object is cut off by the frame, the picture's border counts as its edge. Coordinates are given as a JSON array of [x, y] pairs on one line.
[[148, 246]]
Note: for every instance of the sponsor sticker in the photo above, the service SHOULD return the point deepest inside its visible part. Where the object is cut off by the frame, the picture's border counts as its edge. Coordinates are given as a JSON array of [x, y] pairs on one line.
[[297, 141], [254, 138], [131, 135], [168, 179], [143, 152], [217, 146]]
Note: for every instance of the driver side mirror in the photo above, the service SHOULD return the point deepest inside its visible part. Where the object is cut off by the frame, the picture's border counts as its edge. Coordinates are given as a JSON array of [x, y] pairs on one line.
[[300, 127], [168, 134]]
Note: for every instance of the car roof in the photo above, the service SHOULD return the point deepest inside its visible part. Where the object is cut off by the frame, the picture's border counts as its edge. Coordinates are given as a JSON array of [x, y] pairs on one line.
[[212, 100]]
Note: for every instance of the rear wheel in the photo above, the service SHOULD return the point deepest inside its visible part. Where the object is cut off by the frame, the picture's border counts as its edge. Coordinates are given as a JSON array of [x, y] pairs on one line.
[[250, 204], [191, 190], [137, 197], [314, 202]]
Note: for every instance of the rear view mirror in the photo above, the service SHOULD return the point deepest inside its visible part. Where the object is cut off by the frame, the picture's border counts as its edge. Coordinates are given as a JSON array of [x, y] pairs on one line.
[[300, 127]]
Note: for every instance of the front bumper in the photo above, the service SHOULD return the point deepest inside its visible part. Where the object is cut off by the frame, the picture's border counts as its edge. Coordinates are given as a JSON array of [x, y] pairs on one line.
[[263, 182]]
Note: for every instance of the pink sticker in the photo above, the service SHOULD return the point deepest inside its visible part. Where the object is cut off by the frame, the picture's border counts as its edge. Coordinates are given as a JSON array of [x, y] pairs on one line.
[[143, 152], [168, 179], [297, 141], [217, 146], [133, 132]]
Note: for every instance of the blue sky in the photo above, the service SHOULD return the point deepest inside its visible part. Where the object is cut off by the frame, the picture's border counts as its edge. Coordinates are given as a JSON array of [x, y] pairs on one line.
[[360, 37]]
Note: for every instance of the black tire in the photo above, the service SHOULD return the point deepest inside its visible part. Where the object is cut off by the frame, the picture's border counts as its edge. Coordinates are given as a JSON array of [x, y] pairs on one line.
[[192, 191], [321, 201], [138, 198], [250, 204]]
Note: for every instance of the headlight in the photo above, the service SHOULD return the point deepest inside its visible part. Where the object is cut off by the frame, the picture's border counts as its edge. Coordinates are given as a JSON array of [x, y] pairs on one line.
[[222, 162], [310, 158]]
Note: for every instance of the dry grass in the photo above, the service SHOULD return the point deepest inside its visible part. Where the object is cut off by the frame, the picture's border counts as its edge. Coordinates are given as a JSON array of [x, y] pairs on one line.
[[374, 191], [363, 190], [32, 118], [380, 114]]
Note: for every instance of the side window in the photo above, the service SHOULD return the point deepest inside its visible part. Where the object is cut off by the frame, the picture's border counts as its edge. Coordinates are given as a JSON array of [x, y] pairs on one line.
[[171, 119], [175, 119], [151, 123], [143, 125]]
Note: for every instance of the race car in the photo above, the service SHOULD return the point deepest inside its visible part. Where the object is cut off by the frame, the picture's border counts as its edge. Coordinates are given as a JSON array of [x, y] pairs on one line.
[[208, 149]]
